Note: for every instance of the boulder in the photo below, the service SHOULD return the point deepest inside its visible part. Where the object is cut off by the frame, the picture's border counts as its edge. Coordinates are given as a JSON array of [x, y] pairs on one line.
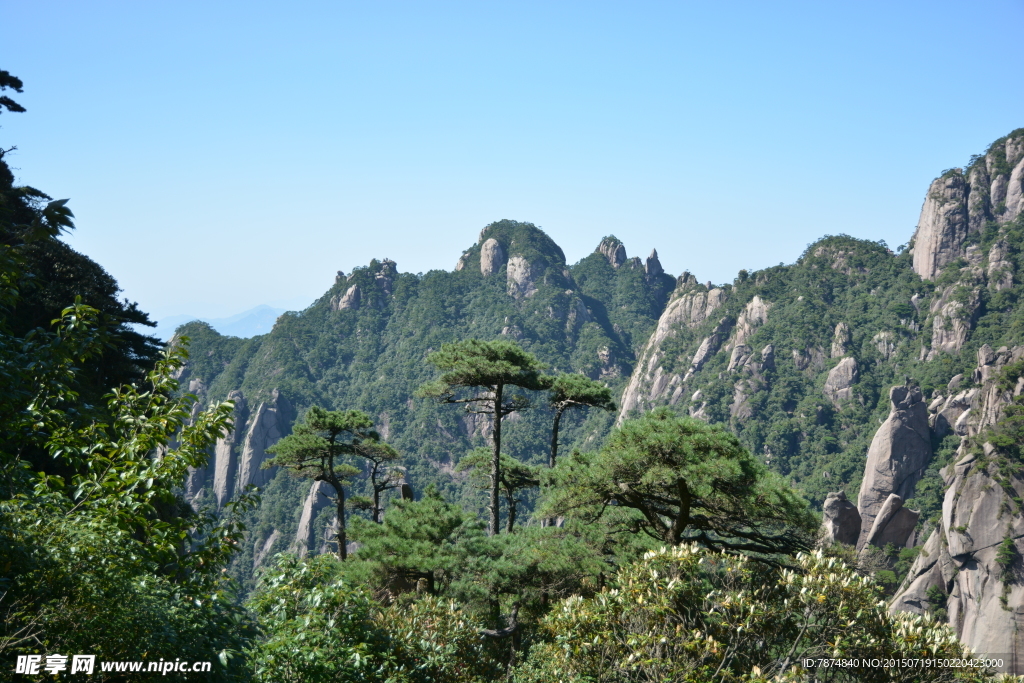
[[894, 524], [492, 257], [840, 380], [897, 457], [840, 519]]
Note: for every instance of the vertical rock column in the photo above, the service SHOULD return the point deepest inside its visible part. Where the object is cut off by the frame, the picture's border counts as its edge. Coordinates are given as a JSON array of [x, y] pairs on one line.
[[897, 457], [224, 455], [269, 423]]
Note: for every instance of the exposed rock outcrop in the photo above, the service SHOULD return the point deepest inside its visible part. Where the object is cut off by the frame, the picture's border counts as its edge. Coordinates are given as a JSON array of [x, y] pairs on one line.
[[269, 423], [709, 346], [893, 524], [942, 228], [897, 457], [385, 276], [690, 306], [953, 315], [955, 206], [841, 340], [754, 314], [613, 250], [263, 549], [492, 257], [1000, 267], [840, 519], [521, 278], [885, 343], [653, 266], [225, 452], [352, 297], [980, 511], [840, 381], [321, 494]]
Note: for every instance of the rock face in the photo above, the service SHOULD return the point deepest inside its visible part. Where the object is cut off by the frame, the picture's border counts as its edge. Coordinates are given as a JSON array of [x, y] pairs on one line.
[[993, 191], [894, 524], [897, 457], [269, 423], [841, 378], [492, 257], [653, 266], [985, 606], [614, 251], [841, 339], [1000, 267], [350, 299], [225, 459], [689, 307], [521, 278], [942, 228], [754, 314], [321, 495], [953, 316], [840, 519]]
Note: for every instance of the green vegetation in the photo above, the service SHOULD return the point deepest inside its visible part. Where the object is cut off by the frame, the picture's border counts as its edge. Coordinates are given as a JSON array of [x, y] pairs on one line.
[[316, 449], [490, 367], [660, 550], [689, 482]]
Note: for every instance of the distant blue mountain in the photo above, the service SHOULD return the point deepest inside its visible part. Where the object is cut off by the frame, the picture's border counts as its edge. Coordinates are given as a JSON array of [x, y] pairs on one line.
[[255, 321]]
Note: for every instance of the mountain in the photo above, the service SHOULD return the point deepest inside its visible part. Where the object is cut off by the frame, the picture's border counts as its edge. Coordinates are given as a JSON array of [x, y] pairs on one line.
[[255, 321], [881, 383]]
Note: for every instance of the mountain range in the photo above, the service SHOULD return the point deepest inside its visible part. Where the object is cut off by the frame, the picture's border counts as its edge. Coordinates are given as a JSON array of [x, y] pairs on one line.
[[882, 383]]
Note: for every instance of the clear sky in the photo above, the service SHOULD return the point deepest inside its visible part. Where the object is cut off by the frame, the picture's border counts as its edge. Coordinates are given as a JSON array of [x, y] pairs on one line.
[[220, 155]]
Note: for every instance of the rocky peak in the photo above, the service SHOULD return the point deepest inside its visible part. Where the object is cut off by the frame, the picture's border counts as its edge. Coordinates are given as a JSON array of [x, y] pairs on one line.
[[653, 265], [959, 203], [385, 275], [613, 250], [942, 227]]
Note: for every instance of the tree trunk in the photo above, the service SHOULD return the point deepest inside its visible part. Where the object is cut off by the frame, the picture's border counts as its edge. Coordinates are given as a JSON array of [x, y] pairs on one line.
[[376, 504], [511, 503], [682, 520], [554, 437], [496, 463], [342, 538]]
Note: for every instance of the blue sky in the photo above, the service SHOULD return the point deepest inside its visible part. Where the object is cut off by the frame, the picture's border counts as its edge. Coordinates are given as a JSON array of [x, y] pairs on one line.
[[220, 155]]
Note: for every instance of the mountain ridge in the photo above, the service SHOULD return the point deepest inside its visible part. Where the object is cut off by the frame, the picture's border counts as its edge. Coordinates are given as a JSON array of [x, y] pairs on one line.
[[799, 360]]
